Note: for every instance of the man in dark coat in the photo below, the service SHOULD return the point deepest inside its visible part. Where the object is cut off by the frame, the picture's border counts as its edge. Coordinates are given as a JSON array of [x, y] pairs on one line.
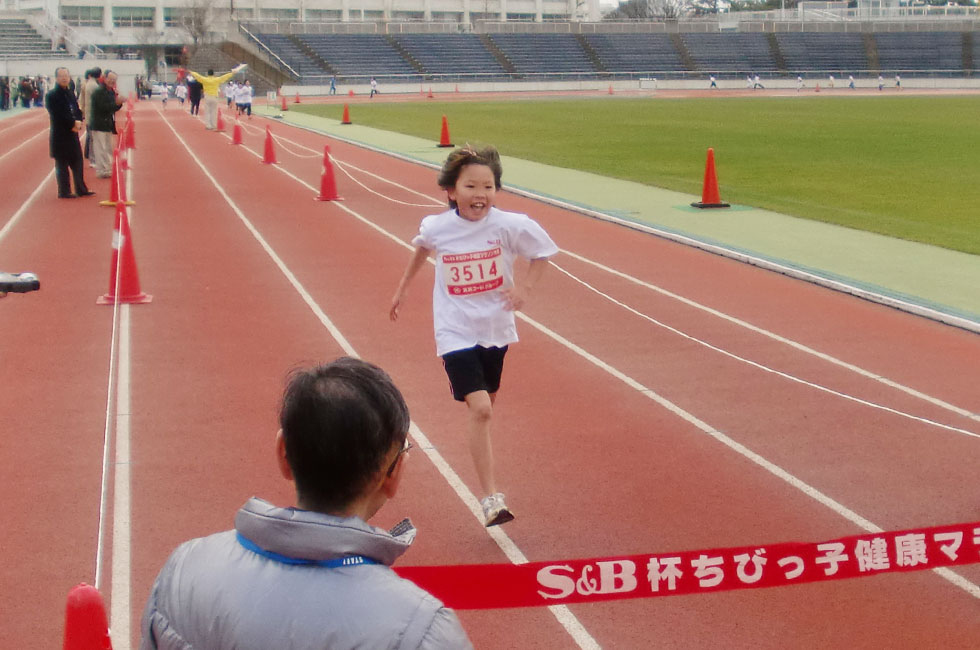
[[194, 91], [103, 105], [66, 121]]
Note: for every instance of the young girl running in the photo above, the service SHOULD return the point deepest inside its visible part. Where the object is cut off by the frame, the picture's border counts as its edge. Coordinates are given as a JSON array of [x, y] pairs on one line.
[[475, 294]]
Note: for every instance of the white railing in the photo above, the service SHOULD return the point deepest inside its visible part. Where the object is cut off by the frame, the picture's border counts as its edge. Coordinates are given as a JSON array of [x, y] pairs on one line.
[[263, 47]]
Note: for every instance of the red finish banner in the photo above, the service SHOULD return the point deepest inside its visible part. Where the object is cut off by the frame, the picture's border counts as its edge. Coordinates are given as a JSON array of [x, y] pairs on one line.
[[560, 582]]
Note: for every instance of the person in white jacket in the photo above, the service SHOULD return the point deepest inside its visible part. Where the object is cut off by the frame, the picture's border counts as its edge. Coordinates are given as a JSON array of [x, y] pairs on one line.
[[317, 575]]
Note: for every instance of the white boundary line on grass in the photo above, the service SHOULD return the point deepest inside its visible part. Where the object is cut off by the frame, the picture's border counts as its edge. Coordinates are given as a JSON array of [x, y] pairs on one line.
[[564, 616], [810, 491]]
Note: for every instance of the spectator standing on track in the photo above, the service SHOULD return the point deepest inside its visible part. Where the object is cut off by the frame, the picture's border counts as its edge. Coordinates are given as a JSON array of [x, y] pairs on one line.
[[898, 82], [180, 92], [210, 85], [245, 98], [830, 84], [84, 100], [374, 88], [881, 83], [850, 81], [333, 85], [714, 83], [314, 576], [194, 92], [756, 83], [26, 92], [799, 83], [475, 294], [105, 102], [66, 122]]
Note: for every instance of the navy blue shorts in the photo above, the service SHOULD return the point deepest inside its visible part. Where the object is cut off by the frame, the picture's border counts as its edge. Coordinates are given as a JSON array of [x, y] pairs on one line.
[[473, 369]]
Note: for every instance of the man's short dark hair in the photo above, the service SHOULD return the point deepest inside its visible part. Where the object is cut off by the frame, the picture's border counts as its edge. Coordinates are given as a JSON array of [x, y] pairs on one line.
[[210, 72], [340, 422], [96, 72]]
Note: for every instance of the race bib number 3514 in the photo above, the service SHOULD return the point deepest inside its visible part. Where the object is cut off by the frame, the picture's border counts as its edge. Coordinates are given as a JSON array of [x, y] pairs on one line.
[[470, 273]]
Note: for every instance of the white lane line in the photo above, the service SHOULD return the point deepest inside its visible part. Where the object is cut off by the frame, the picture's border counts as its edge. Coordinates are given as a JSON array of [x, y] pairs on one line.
[[564, 616], [342, 167], [26, 204], [732, 444], [16, 124], [691, 303], [762, 367], [738, 447], [121, 522], [776, 337], [24, 143], [117, 430]]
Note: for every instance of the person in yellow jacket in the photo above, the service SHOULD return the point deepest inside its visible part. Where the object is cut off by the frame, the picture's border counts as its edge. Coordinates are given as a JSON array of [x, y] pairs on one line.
[[211, 83]]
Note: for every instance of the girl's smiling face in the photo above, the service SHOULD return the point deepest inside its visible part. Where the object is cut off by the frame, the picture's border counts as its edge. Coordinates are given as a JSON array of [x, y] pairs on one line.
[[474, 192]]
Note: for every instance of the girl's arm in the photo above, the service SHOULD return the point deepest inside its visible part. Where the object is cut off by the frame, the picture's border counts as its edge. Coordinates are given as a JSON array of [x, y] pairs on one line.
[[414, 264], [517, 295]]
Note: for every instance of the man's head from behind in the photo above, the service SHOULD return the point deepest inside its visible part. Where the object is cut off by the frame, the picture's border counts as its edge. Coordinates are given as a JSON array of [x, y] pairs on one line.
[[340, 423]]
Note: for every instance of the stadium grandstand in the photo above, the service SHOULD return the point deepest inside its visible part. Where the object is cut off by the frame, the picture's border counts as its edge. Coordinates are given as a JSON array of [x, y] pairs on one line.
[[306, 43]]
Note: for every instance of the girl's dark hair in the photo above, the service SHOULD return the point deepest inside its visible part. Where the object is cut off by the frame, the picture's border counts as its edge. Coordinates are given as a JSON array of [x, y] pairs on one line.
[[467, 155], [339, 422]]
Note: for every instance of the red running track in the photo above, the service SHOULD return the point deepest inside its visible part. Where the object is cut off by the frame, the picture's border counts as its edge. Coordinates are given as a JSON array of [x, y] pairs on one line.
[[593, 466]]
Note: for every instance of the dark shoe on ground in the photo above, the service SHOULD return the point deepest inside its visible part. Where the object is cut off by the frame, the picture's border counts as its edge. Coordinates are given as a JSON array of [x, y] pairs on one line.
[[86, 193], [66, 196]]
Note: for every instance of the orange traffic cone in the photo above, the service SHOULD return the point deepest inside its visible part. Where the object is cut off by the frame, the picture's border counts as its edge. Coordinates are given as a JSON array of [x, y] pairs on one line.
[[430, 95], [121, 148], [818, 88], [270, 150], [709, 193], [610, 89], [221, 122], [297, 97], [130, 134], [124, 286], [328, 186], [117, 189], [444, 140], [346, 118], [457, 87], [86, 624], [350, 93], [236, 134], [283, 106]]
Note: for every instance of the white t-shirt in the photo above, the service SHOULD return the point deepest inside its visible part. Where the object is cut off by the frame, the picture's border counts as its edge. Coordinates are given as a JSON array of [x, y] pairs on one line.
[[474, 261]]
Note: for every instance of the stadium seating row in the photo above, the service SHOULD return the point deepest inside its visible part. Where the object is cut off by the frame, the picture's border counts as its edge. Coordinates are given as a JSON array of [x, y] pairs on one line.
[[314, 56], [19, 40]]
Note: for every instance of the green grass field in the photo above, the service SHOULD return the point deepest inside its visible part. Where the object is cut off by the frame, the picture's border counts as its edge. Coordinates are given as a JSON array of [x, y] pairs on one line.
[[901, 166]]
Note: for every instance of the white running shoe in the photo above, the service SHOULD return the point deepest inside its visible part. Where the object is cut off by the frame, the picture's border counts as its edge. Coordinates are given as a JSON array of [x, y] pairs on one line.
[[495, 511]]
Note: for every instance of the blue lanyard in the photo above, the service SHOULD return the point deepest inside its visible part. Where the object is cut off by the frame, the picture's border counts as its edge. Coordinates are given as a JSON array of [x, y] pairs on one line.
[[349, 560]]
